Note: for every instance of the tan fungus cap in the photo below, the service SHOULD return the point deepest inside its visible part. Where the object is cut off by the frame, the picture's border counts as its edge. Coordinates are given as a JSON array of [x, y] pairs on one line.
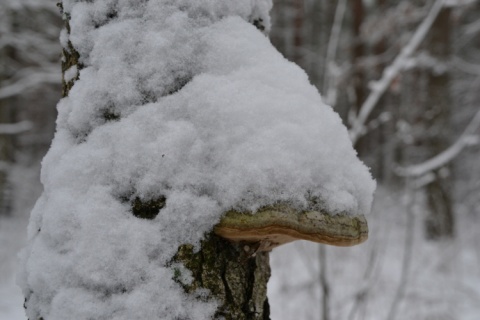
[[276, 225]]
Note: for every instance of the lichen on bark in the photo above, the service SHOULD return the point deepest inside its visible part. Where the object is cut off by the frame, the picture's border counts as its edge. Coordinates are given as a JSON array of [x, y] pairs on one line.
[[70, 56], [235, 278]]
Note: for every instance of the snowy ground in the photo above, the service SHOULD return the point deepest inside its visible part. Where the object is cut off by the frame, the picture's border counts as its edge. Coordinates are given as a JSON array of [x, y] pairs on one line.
[[12, 238], [443, 282], [13, 234]]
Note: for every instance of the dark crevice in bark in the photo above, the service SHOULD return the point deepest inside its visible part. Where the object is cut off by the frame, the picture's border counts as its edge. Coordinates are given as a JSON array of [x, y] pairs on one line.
[[148, 97], [147, 209], [228, 291], [178, 85], [259, 24], [70, 58], [109, 115], [144, 208], [112, 15]]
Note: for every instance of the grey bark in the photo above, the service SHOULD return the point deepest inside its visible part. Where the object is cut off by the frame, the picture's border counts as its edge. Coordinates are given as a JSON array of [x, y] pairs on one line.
[[440, 221], [234, 276]]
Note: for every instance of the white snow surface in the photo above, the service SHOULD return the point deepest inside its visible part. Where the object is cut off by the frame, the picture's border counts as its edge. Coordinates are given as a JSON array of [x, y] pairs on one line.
[[245, 129]]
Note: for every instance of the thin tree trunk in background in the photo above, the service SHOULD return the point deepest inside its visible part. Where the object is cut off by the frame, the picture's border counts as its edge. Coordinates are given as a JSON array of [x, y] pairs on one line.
[[318, 38], [6, 158], [298, 41], [279, 34], [7, 53], [334, 17], [359, 77], [440, 219], [324, 285], [379, 145], [358, 51], [382, 142]]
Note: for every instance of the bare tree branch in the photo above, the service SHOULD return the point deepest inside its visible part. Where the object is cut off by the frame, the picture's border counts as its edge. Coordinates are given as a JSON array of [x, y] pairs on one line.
[[466, 139], [389, 74], [465, 66], [328, 89], [28, 82], [15, 128]]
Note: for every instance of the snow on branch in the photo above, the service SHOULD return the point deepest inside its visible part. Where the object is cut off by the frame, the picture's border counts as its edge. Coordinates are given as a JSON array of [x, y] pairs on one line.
[[28, 82], [472, 28], [467, 138], [465, 66], [458, 3], [15, 128], [379, 87]]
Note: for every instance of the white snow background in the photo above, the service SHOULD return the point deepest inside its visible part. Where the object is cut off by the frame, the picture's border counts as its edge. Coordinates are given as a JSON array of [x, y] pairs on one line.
[[244, 129]]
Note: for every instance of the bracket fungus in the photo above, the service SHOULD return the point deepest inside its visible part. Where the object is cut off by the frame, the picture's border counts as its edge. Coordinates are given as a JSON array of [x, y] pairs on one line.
[[275, 225]]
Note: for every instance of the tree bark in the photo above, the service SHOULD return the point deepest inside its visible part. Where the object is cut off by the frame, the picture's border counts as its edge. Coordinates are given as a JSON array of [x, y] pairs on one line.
[[70, 57], [279, 35], [298, 41], [440, 219], [358, 51], [234, 276]]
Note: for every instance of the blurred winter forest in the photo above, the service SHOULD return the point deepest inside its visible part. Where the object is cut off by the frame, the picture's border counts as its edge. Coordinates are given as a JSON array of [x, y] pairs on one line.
[[405, 78]]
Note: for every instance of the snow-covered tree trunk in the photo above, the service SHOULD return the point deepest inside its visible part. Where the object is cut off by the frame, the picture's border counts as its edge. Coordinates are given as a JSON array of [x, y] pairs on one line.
[[175, 113], [234, 277]]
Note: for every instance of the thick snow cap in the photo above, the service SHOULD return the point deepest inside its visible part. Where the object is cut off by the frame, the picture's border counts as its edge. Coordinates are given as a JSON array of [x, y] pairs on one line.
[[185, 101]]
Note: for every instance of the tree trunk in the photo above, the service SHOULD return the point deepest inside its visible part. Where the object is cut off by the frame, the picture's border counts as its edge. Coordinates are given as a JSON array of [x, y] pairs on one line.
[[440, 220], [6, 158], [234, 275], [358, 51], [7, 53], [321, 15], [298, 42], [279, 35]]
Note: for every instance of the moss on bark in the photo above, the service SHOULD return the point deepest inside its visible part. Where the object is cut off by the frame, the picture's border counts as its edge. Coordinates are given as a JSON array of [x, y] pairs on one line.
[[234, 277], [70, 56]]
